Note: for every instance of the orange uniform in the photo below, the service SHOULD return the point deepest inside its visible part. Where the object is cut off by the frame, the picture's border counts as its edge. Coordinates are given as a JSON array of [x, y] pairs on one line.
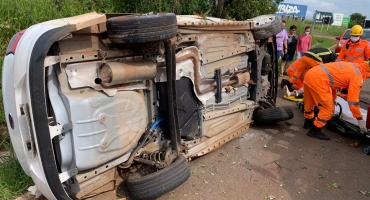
[[312, 58], [298, 83], [354, 52], [320, 86]]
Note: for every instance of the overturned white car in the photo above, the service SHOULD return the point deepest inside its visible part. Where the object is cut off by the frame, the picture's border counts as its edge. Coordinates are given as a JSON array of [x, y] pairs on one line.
[[95, 95]]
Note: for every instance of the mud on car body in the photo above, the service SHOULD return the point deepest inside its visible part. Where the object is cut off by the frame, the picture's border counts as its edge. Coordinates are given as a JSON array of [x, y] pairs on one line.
[[95, 97]]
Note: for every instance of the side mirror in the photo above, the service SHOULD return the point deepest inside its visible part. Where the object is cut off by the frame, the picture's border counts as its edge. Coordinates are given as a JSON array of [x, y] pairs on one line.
[[337, 38]]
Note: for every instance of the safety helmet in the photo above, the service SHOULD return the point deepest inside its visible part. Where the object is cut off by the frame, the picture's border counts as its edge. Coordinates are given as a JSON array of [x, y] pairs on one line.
[[356, 30]]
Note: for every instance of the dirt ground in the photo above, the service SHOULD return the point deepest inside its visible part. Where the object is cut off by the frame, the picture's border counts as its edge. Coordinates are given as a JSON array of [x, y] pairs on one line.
[[279, 162]]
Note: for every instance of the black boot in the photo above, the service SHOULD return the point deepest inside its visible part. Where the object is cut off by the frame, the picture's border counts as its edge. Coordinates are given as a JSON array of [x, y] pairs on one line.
[[308, 123], [316, 133]]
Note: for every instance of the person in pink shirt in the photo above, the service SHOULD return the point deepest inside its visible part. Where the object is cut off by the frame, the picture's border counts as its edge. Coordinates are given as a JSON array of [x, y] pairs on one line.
[[304, 42]]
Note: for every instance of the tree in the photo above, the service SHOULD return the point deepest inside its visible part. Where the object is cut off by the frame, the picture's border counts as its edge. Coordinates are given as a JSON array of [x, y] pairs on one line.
[[356, 18], [231, 9]]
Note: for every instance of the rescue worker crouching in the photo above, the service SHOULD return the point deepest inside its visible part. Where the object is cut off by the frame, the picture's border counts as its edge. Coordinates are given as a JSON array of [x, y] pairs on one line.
[[320, 86], [298, 68], [295, 88], [355, 49]]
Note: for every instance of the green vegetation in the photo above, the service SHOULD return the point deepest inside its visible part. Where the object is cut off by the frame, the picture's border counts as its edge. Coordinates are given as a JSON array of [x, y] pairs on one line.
[[331, 30], [357, 18], [13, 181], [322, 42]]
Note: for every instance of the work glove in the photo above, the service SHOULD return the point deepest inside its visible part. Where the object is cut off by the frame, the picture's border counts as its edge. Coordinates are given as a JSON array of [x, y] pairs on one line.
[[362, 125]]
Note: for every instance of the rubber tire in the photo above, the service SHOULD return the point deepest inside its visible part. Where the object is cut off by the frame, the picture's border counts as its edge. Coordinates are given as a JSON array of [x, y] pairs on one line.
[[267, 30], [132, 29], [160, 182], [366, 149], [272, 115]]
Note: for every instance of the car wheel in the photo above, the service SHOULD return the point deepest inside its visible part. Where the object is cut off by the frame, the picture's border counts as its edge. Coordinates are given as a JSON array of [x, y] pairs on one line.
[[153, 185], [131, 29], [266, 26], [272, 115]]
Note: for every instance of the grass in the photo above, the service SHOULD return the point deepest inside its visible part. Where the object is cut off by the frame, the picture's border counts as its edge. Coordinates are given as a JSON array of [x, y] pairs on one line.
[[322, 42], [13, 181], [16, 15], [332, 30]]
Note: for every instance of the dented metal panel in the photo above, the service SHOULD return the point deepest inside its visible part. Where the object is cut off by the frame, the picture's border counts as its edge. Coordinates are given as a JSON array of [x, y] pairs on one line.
[[199, 22], [220, 124]]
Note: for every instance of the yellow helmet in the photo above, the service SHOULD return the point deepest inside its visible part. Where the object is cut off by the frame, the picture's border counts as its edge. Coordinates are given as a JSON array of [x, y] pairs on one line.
[[356, 30]]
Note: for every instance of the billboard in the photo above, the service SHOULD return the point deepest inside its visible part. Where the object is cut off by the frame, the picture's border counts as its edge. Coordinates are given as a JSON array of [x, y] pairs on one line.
[[294, 10], [338, 19], [321, 17], [328, 18], [345, 21]]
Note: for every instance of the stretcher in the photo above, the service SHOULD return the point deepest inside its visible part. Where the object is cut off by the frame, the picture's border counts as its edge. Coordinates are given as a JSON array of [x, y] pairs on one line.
[[344, 123], [292, 98]]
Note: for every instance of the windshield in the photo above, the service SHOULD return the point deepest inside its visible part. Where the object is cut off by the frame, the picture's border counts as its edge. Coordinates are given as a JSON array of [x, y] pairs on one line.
[[365, 35]]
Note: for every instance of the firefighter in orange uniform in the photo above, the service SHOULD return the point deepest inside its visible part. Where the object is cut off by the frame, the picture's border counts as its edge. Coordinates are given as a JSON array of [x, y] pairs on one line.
[[311, 58], [320, 86], [295, 88], [355, 50], [298, 68]]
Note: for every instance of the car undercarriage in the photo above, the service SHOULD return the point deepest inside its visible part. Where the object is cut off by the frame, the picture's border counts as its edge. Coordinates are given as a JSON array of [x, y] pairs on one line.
[[138, 96]]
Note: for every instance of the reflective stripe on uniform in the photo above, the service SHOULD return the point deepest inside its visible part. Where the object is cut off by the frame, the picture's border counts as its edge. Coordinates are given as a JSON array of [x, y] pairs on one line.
[[322, 120], [317, 55], [324, 53], [339, 59], [355, 57], [359, 49], [356, 69], [293, 68], [355, 103], [295, 77], [329, 75], [314, 55]]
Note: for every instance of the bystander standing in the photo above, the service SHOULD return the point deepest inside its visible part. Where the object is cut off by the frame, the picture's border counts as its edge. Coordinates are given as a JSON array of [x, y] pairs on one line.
[[304, 42], [281, 42], [292, 45]]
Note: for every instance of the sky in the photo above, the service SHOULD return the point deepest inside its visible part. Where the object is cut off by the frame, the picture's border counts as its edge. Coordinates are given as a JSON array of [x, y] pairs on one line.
[[346, 7]]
